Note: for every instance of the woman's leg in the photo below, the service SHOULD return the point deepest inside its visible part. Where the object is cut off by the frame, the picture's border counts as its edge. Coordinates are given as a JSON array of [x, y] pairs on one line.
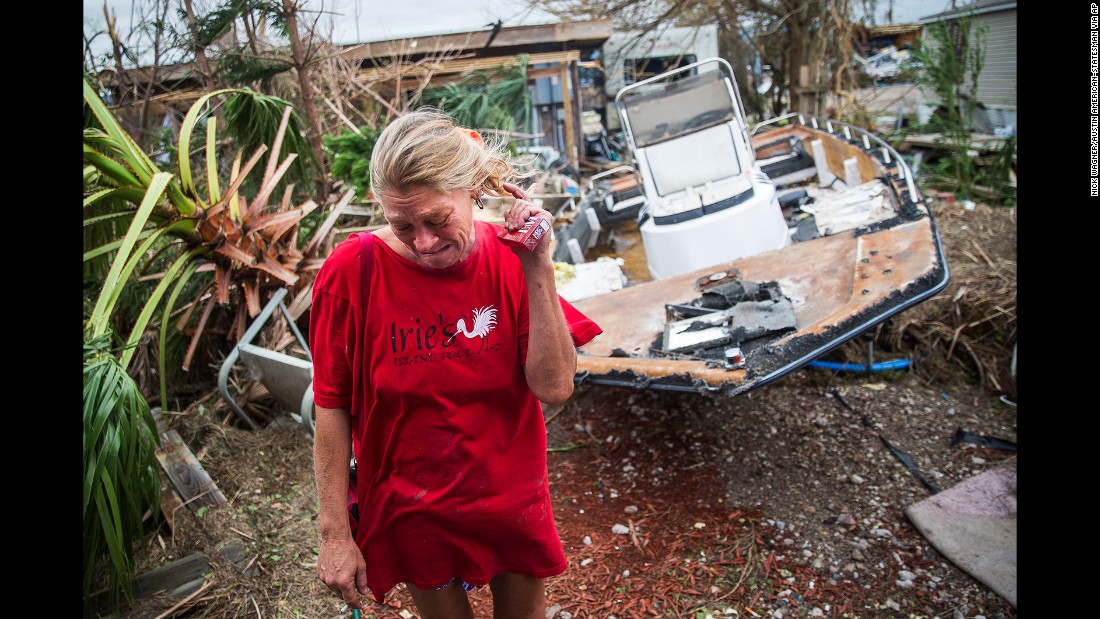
[[447, 603], [516, 596]]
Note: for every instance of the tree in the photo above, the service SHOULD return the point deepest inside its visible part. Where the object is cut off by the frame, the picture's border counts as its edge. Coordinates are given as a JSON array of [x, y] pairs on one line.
[[806, 42], [302, 68], [230, 45]]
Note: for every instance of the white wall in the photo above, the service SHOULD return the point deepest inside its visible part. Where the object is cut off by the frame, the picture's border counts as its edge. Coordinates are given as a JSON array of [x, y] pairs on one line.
[[701, 41]]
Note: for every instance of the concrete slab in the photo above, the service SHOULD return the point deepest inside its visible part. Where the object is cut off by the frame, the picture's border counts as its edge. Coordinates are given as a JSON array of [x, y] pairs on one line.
[[974, 525]]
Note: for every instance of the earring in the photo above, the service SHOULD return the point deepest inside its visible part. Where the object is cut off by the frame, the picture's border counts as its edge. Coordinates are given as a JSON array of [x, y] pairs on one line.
[[480, 203]]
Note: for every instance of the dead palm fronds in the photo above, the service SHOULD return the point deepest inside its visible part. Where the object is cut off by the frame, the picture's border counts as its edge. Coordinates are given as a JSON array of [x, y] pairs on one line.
[[250, 244], [158, 235]]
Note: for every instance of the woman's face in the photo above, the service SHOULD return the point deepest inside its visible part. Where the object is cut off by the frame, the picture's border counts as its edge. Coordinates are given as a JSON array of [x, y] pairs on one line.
[[438, 228]]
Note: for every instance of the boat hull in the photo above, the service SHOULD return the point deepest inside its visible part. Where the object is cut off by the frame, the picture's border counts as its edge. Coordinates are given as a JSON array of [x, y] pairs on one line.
[[839, 285]]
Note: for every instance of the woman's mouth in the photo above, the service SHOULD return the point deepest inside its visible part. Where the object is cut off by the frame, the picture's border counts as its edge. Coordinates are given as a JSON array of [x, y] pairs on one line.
[[435, 252]]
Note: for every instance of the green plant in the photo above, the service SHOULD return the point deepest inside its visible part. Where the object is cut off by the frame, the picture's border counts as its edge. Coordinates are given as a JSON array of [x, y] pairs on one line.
[[486, 100], [253, 120], [147, 232], [493, 100], [996, 174], [351, 151], [950, 63], [120, 466]]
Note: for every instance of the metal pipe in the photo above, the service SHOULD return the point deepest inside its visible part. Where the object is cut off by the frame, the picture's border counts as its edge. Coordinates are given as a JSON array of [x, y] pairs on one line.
[[882, 366]]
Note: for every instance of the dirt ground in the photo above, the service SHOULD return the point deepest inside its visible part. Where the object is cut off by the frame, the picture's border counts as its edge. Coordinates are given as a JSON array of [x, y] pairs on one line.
[[781, 502]]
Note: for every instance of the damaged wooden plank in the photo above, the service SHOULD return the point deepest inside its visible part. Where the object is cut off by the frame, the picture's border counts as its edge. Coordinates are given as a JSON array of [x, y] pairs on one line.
[[187, 475], [170, 502], [655, 368], [235, 552], [177, 579]]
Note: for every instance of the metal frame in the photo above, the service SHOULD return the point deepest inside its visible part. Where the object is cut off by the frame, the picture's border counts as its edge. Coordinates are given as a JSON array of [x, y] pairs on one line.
[[276, 301]]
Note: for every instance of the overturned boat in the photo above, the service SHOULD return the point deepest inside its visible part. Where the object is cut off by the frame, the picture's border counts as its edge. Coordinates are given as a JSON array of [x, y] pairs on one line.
[[765, 248]]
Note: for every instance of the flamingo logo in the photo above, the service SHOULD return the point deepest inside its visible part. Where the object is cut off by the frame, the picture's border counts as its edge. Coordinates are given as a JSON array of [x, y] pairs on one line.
[[485, 319]]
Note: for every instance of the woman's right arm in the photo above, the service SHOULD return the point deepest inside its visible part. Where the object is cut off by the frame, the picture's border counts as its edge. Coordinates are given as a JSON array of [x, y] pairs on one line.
[[340, 564]]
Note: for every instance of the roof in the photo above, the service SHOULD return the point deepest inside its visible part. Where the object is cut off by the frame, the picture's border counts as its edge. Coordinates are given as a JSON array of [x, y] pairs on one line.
[[508, 40], [462, 51], [973, 8]]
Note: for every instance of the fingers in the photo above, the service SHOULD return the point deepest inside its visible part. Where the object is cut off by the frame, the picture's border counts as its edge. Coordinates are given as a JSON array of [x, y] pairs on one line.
[[521, 209], [344, 586], [516, 192], [361, 578], [344, 572], [351, 597], [517, 216]]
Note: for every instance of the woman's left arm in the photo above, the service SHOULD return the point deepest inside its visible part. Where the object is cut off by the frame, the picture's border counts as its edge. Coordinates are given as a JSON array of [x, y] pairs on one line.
[[551, 357]]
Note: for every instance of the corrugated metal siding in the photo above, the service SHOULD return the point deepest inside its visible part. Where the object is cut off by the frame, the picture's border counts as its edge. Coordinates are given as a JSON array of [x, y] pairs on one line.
[[997, 81]]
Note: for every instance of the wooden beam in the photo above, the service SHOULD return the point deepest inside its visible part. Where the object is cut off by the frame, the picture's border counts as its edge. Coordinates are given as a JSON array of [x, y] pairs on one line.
[[594, 31], [534, 74], [177, 579], [183, 576], [578, 133], [187, 475], [567, 104], [464, 65], [659, 368], [170, 502]]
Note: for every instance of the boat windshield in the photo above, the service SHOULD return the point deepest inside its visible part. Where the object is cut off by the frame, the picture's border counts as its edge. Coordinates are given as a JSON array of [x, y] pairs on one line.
[[665, 110]]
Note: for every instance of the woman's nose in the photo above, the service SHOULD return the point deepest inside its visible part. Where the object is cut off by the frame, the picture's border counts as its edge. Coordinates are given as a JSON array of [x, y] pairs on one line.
[[424, 240]]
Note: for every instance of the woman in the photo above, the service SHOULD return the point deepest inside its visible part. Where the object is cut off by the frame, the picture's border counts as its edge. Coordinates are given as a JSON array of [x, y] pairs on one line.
[[432, 380]]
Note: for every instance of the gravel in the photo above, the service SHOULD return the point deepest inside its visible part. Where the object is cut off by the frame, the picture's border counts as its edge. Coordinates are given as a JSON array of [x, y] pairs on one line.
[[830, 494]]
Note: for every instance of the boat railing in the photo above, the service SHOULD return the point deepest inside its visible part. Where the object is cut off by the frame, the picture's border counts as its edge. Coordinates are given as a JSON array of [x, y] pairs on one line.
[[849, 130], [606, 173]]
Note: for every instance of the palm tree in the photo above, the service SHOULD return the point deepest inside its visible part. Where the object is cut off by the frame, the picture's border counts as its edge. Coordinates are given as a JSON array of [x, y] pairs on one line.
[[486, 100], [171, 243]]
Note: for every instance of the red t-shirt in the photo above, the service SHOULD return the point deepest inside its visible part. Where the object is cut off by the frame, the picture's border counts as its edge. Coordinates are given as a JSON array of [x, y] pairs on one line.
[[450, 442]]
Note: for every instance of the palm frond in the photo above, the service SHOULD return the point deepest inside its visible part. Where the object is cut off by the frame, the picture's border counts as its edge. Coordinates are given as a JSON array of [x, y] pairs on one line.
[[120, 469], [485, 99], [154, 300], [253, 118], [98, 319]]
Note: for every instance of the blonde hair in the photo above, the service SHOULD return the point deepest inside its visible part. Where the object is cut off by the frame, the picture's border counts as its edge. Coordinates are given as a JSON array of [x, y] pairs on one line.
[[425, 148]]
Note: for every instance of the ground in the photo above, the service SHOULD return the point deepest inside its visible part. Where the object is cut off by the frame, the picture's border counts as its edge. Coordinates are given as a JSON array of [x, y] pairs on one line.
[[785, 500]]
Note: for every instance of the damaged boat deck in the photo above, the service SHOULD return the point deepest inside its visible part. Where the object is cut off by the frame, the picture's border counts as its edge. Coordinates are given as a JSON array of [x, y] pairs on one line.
[[850, 275]]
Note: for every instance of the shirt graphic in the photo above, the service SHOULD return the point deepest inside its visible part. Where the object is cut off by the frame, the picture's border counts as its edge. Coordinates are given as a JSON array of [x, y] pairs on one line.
[[485, 318]]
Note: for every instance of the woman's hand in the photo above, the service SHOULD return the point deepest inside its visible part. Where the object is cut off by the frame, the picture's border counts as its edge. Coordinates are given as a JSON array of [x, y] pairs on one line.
[[517, 215], [342, 568]]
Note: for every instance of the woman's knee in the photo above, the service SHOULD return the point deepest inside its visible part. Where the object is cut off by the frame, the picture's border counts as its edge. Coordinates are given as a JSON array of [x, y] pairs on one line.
[[449, 602], [517, 596]]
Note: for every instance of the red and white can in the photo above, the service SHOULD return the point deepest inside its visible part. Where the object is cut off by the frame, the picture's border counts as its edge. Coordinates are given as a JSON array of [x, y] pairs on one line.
[[529, 235]]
